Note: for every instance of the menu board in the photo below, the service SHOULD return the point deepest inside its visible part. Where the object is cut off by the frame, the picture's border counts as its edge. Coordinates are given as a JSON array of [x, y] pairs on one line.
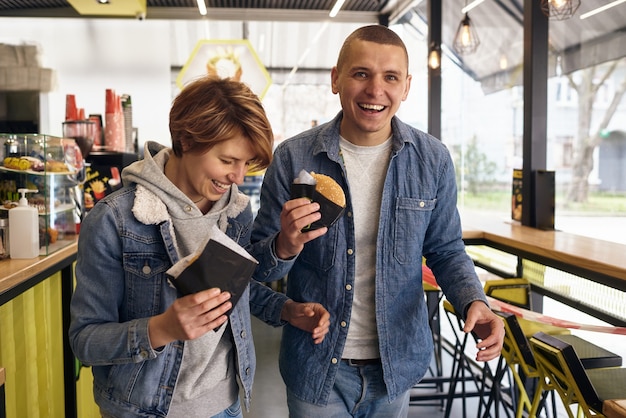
[[516, 198]]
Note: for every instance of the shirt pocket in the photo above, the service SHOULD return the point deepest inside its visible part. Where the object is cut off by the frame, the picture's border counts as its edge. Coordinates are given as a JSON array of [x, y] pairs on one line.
[[321, 253], [412, 216], [145, 273]]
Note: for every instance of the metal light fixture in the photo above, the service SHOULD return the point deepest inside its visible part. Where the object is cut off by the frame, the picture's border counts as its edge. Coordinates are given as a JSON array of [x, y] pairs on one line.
[[202, 7], [559, 9], [466, 39], [127, 8], [336, 8], [504, 61], [434, 56]]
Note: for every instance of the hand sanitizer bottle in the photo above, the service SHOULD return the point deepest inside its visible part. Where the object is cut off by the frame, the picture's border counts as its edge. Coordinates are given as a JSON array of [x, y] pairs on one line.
[[24, 228]]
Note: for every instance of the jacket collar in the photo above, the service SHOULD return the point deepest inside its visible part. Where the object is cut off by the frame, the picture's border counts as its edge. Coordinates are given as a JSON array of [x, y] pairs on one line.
[[329, 137], [150, 210]]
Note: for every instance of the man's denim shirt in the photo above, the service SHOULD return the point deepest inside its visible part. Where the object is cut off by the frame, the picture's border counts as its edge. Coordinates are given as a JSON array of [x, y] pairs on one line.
[[418, 217], [122, 258]]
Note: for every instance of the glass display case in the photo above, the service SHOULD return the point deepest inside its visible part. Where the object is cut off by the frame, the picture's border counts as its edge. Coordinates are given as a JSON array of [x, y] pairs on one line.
[[55, 168]]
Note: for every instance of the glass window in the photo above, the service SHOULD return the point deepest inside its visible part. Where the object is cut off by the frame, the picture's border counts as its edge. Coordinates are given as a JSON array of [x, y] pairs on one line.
[[482, 115], [482, 106], [587, 124]]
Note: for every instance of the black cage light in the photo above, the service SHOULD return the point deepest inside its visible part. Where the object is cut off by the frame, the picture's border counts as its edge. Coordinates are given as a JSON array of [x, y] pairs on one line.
[[466, 39], [559, 9]]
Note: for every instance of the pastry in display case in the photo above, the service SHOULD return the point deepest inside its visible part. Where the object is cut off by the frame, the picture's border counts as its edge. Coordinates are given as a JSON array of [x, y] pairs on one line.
[[52, 166]]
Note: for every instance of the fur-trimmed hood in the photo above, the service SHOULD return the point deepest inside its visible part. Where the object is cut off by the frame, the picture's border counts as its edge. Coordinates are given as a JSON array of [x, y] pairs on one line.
[[149, 209], [157, 200]]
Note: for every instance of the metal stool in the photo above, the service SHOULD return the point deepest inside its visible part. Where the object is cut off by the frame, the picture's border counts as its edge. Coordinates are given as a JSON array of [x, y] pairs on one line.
[[433, 295], [463, 370]]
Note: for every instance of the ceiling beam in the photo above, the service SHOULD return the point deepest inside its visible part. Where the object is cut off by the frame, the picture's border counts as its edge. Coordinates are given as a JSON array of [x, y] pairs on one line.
[[271, 15], [191, 13]]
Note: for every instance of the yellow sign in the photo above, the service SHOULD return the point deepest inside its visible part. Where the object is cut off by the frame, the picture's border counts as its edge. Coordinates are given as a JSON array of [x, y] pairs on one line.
[[132, 8], [226, 58]]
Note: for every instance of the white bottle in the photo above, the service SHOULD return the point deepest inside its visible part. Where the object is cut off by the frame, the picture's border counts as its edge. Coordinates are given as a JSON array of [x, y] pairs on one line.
[[24, 228]]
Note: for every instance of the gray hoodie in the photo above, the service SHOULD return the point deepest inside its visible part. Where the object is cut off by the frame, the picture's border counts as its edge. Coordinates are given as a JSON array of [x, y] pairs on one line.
[[207, 381]]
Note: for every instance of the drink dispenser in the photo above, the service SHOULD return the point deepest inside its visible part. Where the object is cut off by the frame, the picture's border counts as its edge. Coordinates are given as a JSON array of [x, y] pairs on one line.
[[83, 132]]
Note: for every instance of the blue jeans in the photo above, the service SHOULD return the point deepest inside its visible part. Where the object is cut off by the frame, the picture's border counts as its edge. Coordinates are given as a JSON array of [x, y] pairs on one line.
[[233, 411], [358, 392]]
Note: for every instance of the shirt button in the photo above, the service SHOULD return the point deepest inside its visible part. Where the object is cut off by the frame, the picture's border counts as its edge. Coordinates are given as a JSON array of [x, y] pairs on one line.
[[349, 214], [247, 371], [334, 361], [243, 334], [146, 269], [422, 204], [343, 324], [187, 208], [350, 251], [348, 287]]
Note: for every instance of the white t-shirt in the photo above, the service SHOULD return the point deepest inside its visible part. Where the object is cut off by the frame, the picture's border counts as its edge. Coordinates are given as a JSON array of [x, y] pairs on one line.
[[366, 168]]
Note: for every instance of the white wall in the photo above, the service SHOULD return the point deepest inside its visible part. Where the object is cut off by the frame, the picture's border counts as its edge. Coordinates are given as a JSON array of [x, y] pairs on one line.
[[91, 55]]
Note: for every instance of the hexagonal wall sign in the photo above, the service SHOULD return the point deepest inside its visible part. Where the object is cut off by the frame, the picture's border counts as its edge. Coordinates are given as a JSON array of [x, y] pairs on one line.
[[226, 58]]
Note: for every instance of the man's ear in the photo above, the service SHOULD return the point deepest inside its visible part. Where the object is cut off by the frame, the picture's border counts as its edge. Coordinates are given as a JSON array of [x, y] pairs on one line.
[[334, 75], [408, 87]]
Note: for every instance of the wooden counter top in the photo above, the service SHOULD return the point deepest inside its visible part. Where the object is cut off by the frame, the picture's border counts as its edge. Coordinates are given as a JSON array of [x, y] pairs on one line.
[[582, 252], [16, 271], [591, 254], [614, 408]]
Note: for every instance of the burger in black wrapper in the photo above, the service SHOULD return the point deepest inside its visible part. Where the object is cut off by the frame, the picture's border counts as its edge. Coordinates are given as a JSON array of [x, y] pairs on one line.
[[325, 191]]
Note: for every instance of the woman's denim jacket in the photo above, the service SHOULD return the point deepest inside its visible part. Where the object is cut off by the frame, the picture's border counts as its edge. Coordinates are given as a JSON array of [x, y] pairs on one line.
[[121, 283], [418, 217]]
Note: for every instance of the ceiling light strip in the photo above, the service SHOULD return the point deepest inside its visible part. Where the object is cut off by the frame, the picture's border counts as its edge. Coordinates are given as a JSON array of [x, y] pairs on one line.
[[202, 7], [471, 6], [336, 8], [601, 9]]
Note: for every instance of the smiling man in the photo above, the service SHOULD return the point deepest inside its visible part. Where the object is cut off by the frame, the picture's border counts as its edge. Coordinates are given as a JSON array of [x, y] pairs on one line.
[[366, 268]]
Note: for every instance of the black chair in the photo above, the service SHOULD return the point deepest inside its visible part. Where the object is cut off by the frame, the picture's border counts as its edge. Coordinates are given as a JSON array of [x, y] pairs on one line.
[[517, 357], [562, 370], [521, 362]]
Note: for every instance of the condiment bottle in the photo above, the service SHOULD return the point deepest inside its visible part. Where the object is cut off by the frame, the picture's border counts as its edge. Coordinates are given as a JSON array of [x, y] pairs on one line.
[[24, 228]]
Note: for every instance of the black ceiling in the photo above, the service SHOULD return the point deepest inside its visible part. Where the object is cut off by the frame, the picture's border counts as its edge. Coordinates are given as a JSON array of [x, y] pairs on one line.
[[251, 10], [351, 5], [575, 43], [178, 8]]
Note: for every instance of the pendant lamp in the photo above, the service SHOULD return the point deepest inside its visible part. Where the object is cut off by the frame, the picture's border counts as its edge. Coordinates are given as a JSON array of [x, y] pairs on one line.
[[434, 56], [466, 39], [559, 9]]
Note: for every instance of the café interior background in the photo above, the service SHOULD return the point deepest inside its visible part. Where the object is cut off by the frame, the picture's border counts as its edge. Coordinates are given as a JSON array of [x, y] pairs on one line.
[[482, 96]]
